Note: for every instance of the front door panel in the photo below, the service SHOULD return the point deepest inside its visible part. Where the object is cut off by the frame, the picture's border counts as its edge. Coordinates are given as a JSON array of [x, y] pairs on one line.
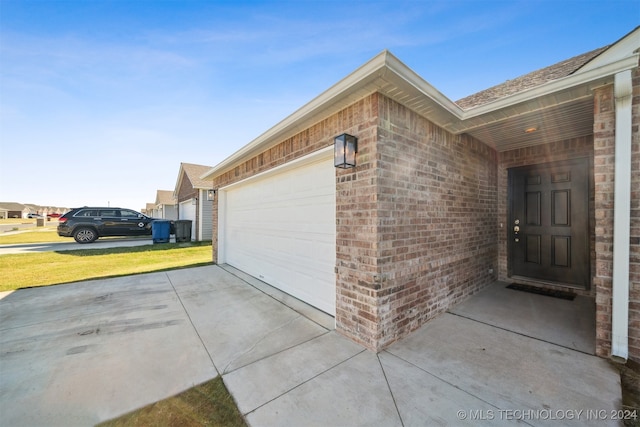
[[549, 222]]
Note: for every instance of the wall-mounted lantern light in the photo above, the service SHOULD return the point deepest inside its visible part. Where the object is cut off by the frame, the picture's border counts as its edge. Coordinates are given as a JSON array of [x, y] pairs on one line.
[[345, 148], [211, 194]]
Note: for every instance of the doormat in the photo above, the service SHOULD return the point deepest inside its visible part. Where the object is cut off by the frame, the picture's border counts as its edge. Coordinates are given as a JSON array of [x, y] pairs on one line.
[[541, 291]]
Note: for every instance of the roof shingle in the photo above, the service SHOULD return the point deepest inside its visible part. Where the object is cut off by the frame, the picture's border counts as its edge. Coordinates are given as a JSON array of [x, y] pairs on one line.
[[530, 80], [194, 172]]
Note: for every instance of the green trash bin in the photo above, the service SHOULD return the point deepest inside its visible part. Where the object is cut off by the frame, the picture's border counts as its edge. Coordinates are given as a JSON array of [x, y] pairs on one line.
[[183, 230], [160, 231]]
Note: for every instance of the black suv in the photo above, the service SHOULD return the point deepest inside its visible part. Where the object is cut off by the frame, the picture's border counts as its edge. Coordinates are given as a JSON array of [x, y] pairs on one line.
[[86, 224]]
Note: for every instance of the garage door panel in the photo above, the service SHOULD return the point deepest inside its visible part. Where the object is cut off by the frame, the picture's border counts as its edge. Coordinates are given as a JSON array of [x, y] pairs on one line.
[[281, 229]]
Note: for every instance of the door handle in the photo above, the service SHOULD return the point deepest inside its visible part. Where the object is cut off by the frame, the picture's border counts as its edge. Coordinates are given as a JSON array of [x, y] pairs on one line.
[[516, 230]]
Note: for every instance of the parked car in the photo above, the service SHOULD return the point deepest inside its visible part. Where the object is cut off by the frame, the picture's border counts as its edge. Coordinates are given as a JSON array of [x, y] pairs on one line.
[[34, 215], [87, 224]]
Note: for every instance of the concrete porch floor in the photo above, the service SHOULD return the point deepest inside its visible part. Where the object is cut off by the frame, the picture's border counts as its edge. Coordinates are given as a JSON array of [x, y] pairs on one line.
[[82, 353], [570, 324]]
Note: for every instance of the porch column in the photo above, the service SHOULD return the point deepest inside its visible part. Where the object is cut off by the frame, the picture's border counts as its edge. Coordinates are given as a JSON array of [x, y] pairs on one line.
[[621, 217]]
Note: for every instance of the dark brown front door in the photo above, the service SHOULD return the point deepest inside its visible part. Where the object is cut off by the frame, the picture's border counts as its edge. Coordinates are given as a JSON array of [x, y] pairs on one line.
[[549, 222]]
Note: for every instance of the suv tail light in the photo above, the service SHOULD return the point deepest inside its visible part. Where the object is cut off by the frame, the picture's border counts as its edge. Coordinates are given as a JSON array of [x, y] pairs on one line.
[[62, 219]]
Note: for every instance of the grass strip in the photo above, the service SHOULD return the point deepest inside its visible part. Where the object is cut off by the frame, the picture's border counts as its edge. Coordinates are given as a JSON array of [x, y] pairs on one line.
[[51, 268], [208, 404], [36, 236]]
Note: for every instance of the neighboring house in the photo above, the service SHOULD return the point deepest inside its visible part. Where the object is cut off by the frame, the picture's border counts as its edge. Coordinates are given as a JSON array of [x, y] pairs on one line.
[[33, 209], [165, 205], [521, 183], [15, 210], [4, 213], [53, 210], [148, 210], [193, 203]]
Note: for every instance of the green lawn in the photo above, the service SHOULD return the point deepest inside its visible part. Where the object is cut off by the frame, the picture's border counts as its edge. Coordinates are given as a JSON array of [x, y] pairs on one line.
[[41, 235], [51, 268], [208, 404]]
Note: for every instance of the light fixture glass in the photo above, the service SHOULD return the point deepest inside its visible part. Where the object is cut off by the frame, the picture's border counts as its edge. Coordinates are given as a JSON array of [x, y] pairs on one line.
[[345, 147], [211, 194]]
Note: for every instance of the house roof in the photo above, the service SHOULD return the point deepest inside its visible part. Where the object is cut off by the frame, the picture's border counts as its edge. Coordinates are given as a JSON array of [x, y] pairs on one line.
[[193, 173], [165, 197], [561, 94], [13, 206], [530, 80]]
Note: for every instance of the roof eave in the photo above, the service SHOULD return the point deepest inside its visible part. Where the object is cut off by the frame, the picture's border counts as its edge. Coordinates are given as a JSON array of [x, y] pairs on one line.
[[389, 76], [592, 78], [377, 75]]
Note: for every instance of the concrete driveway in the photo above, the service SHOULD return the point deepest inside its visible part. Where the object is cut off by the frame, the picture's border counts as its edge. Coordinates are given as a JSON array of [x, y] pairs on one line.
[[82, 353], [71, 245]]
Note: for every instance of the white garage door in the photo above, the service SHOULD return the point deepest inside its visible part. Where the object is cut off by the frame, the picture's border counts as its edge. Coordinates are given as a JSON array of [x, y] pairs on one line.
[[187, 210], [281, 228]]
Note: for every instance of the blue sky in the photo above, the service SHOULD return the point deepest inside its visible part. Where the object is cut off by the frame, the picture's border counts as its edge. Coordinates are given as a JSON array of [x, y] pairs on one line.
[[100, 101]]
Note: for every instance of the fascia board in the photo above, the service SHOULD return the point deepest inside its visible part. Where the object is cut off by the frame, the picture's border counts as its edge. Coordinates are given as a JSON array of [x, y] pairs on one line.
[[615, 52], [321, 102], [382, 69], [386, 68], [565, 83], [403, 73]]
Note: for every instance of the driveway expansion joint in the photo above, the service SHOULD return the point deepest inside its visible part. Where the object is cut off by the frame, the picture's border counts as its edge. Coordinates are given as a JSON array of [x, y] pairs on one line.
[[192, 324]]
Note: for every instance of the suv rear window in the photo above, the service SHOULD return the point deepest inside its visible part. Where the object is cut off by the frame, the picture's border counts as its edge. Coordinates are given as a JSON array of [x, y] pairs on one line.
[[87, 212], [109, 213], [124, 213]]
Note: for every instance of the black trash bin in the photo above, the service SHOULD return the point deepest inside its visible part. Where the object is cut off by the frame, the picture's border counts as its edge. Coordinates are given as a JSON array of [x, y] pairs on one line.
[[183, 230], [160, 231]]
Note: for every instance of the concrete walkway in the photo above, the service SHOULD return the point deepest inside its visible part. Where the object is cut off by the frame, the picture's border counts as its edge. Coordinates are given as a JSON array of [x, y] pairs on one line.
[[82, 353], [71, 245]]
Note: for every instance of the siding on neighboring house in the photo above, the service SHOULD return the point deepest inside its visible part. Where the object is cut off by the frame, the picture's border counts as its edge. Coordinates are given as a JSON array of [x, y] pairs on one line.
[[191, 189], [206, 213], [165, 205]]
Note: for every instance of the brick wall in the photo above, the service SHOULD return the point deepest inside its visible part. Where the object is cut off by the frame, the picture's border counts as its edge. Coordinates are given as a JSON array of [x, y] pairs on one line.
[[421, 226], [604, 142], [357, 119], [186, 190], [562, 150], [634, 294], [418, 221], [415, 221]]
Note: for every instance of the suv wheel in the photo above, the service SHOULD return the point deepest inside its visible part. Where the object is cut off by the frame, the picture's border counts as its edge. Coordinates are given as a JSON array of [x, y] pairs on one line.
[[85, 235]]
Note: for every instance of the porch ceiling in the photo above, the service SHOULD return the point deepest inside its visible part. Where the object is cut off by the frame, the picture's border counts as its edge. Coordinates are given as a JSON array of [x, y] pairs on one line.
[[556, 111], [556, 123], [549, 119]]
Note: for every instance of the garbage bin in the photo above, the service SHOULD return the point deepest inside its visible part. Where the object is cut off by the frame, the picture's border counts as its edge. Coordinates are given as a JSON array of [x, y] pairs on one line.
[[183, 230], [160, 231], [39, 222]]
